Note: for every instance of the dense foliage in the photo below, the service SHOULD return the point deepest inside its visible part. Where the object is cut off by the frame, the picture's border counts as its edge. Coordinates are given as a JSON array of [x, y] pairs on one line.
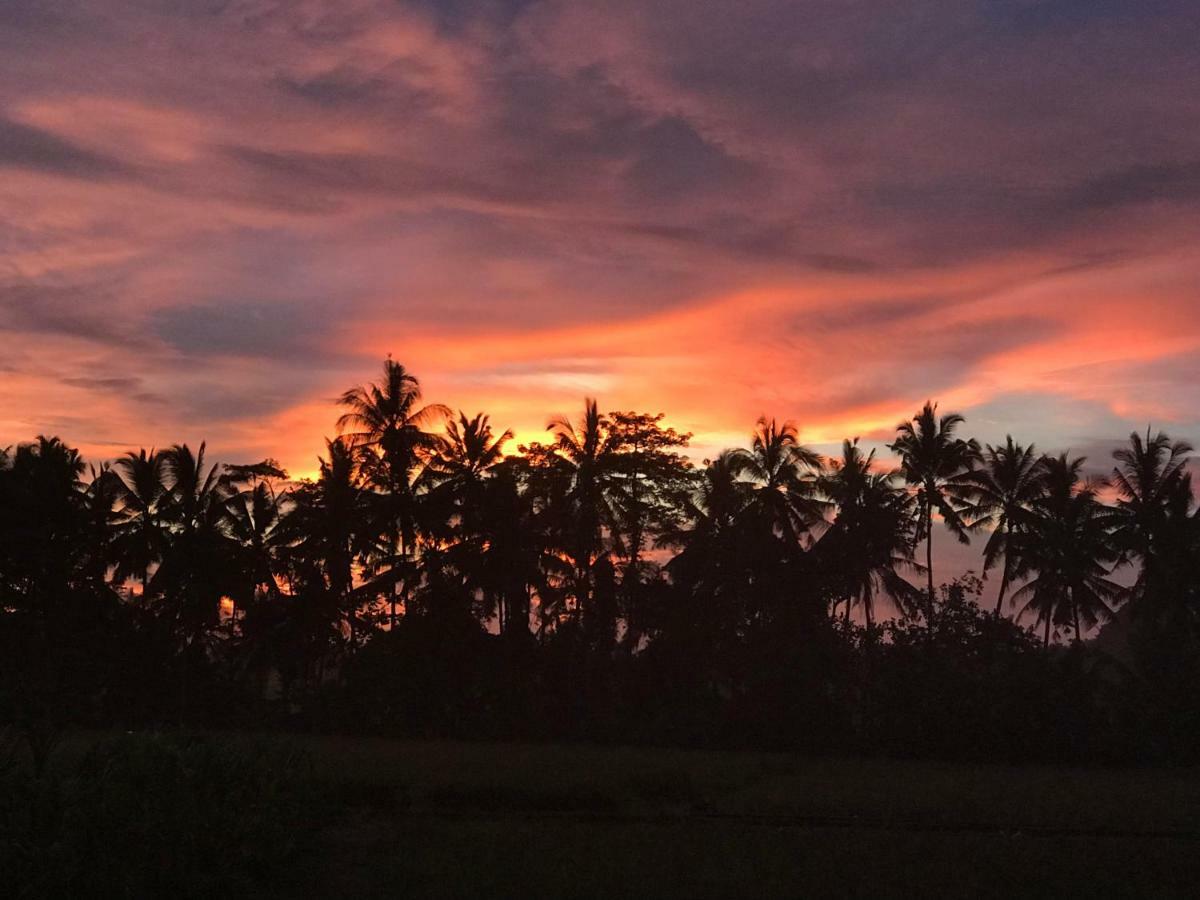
[[432, 579]]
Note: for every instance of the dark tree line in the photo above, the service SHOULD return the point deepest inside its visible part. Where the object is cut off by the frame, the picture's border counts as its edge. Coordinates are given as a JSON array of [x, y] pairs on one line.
[[435, 579]]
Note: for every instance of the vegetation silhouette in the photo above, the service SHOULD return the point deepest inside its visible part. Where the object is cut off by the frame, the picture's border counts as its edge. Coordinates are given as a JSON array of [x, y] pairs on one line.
[[433, 580]]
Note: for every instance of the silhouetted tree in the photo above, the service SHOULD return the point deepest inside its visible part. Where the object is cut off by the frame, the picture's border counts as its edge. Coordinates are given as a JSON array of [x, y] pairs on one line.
[[1068, 550], [1154, 497], [938, 464], [141, 536], [386, 424], [1005, 488], [871, 540]]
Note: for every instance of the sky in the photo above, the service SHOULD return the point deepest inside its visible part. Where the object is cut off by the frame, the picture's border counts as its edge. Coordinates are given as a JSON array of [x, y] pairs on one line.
[[217, 215]]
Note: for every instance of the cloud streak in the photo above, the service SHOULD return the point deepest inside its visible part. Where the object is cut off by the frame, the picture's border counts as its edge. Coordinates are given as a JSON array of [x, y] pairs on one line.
[[218, 215]]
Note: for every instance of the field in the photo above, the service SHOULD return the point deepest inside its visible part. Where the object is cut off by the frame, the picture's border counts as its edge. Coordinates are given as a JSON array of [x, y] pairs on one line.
[[268, 816], [465, 819]]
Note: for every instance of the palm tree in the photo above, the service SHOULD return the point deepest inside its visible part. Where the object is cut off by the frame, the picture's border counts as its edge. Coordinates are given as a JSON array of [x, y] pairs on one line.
[[581, 472], [196, 495], [711, 563], [386, 424], [326, 530], [938, 465], [140, 537], [872, 536], [1004, 490], [101, 505], [1069, 550], [1154, 495], [463, 462], [512, 555], [254, 520], [783, 473]]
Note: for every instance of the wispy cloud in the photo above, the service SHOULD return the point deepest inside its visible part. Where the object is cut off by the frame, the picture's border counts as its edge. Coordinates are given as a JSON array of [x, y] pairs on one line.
[[214, 216]]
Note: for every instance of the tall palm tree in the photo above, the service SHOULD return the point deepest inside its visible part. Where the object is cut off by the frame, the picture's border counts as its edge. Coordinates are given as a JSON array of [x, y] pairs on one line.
[[938, 464], [196, 493], [1068, 550], [1153, 496], [583, 507], [387, 424], [101, 504], [254, 520], [1004, 490], [199, 564], [783, 473], [141, 535], [326, 530], [711, 561], [464, 460], [872, 537]]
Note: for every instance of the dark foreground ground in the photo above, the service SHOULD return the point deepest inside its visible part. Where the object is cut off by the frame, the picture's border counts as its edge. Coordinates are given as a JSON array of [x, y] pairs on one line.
[[458, 820], [446, 819]]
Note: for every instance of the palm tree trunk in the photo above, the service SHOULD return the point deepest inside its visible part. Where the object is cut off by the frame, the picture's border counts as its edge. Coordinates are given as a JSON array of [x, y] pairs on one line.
[[848, 605], [1003, 587], [400, 543], [1046, 640], [929, 553], [1078, 635]]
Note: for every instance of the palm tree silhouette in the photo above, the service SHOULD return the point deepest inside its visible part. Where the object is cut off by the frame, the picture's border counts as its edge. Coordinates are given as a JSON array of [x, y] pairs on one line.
[[1069, 550], [1153, 496], [465, 457], [711, 563], [254, 520], [938, 465], [386, 424], [872, 536], [585, 509], [326, 531], [1005, 488], [196, 569], [783, 473], [140, 537]]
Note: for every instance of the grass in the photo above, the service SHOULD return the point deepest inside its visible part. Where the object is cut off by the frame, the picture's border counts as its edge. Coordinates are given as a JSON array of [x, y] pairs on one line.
[[453, 819], [428, 818]]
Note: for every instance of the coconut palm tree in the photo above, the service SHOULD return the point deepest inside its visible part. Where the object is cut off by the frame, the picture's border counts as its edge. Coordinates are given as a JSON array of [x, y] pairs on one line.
[[871, 540], [1154, 496], [938, 465], [254, 520], [783, 474], [140, 533], [1004, 490], [388, 427], [463, 462], [711, 563], [1067, 551], [581, 489], [101, 505], [326, 531]]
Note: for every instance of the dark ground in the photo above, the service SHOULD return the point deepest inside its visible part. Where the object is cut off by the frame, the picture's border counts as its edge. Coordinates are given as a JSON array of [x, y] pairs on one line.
[[446, 819]]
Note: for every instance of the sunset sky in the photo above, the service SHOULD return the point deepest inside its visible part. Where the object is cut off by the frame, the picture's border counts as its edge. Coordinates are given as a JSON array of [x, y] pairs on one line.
[[215, 215]]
